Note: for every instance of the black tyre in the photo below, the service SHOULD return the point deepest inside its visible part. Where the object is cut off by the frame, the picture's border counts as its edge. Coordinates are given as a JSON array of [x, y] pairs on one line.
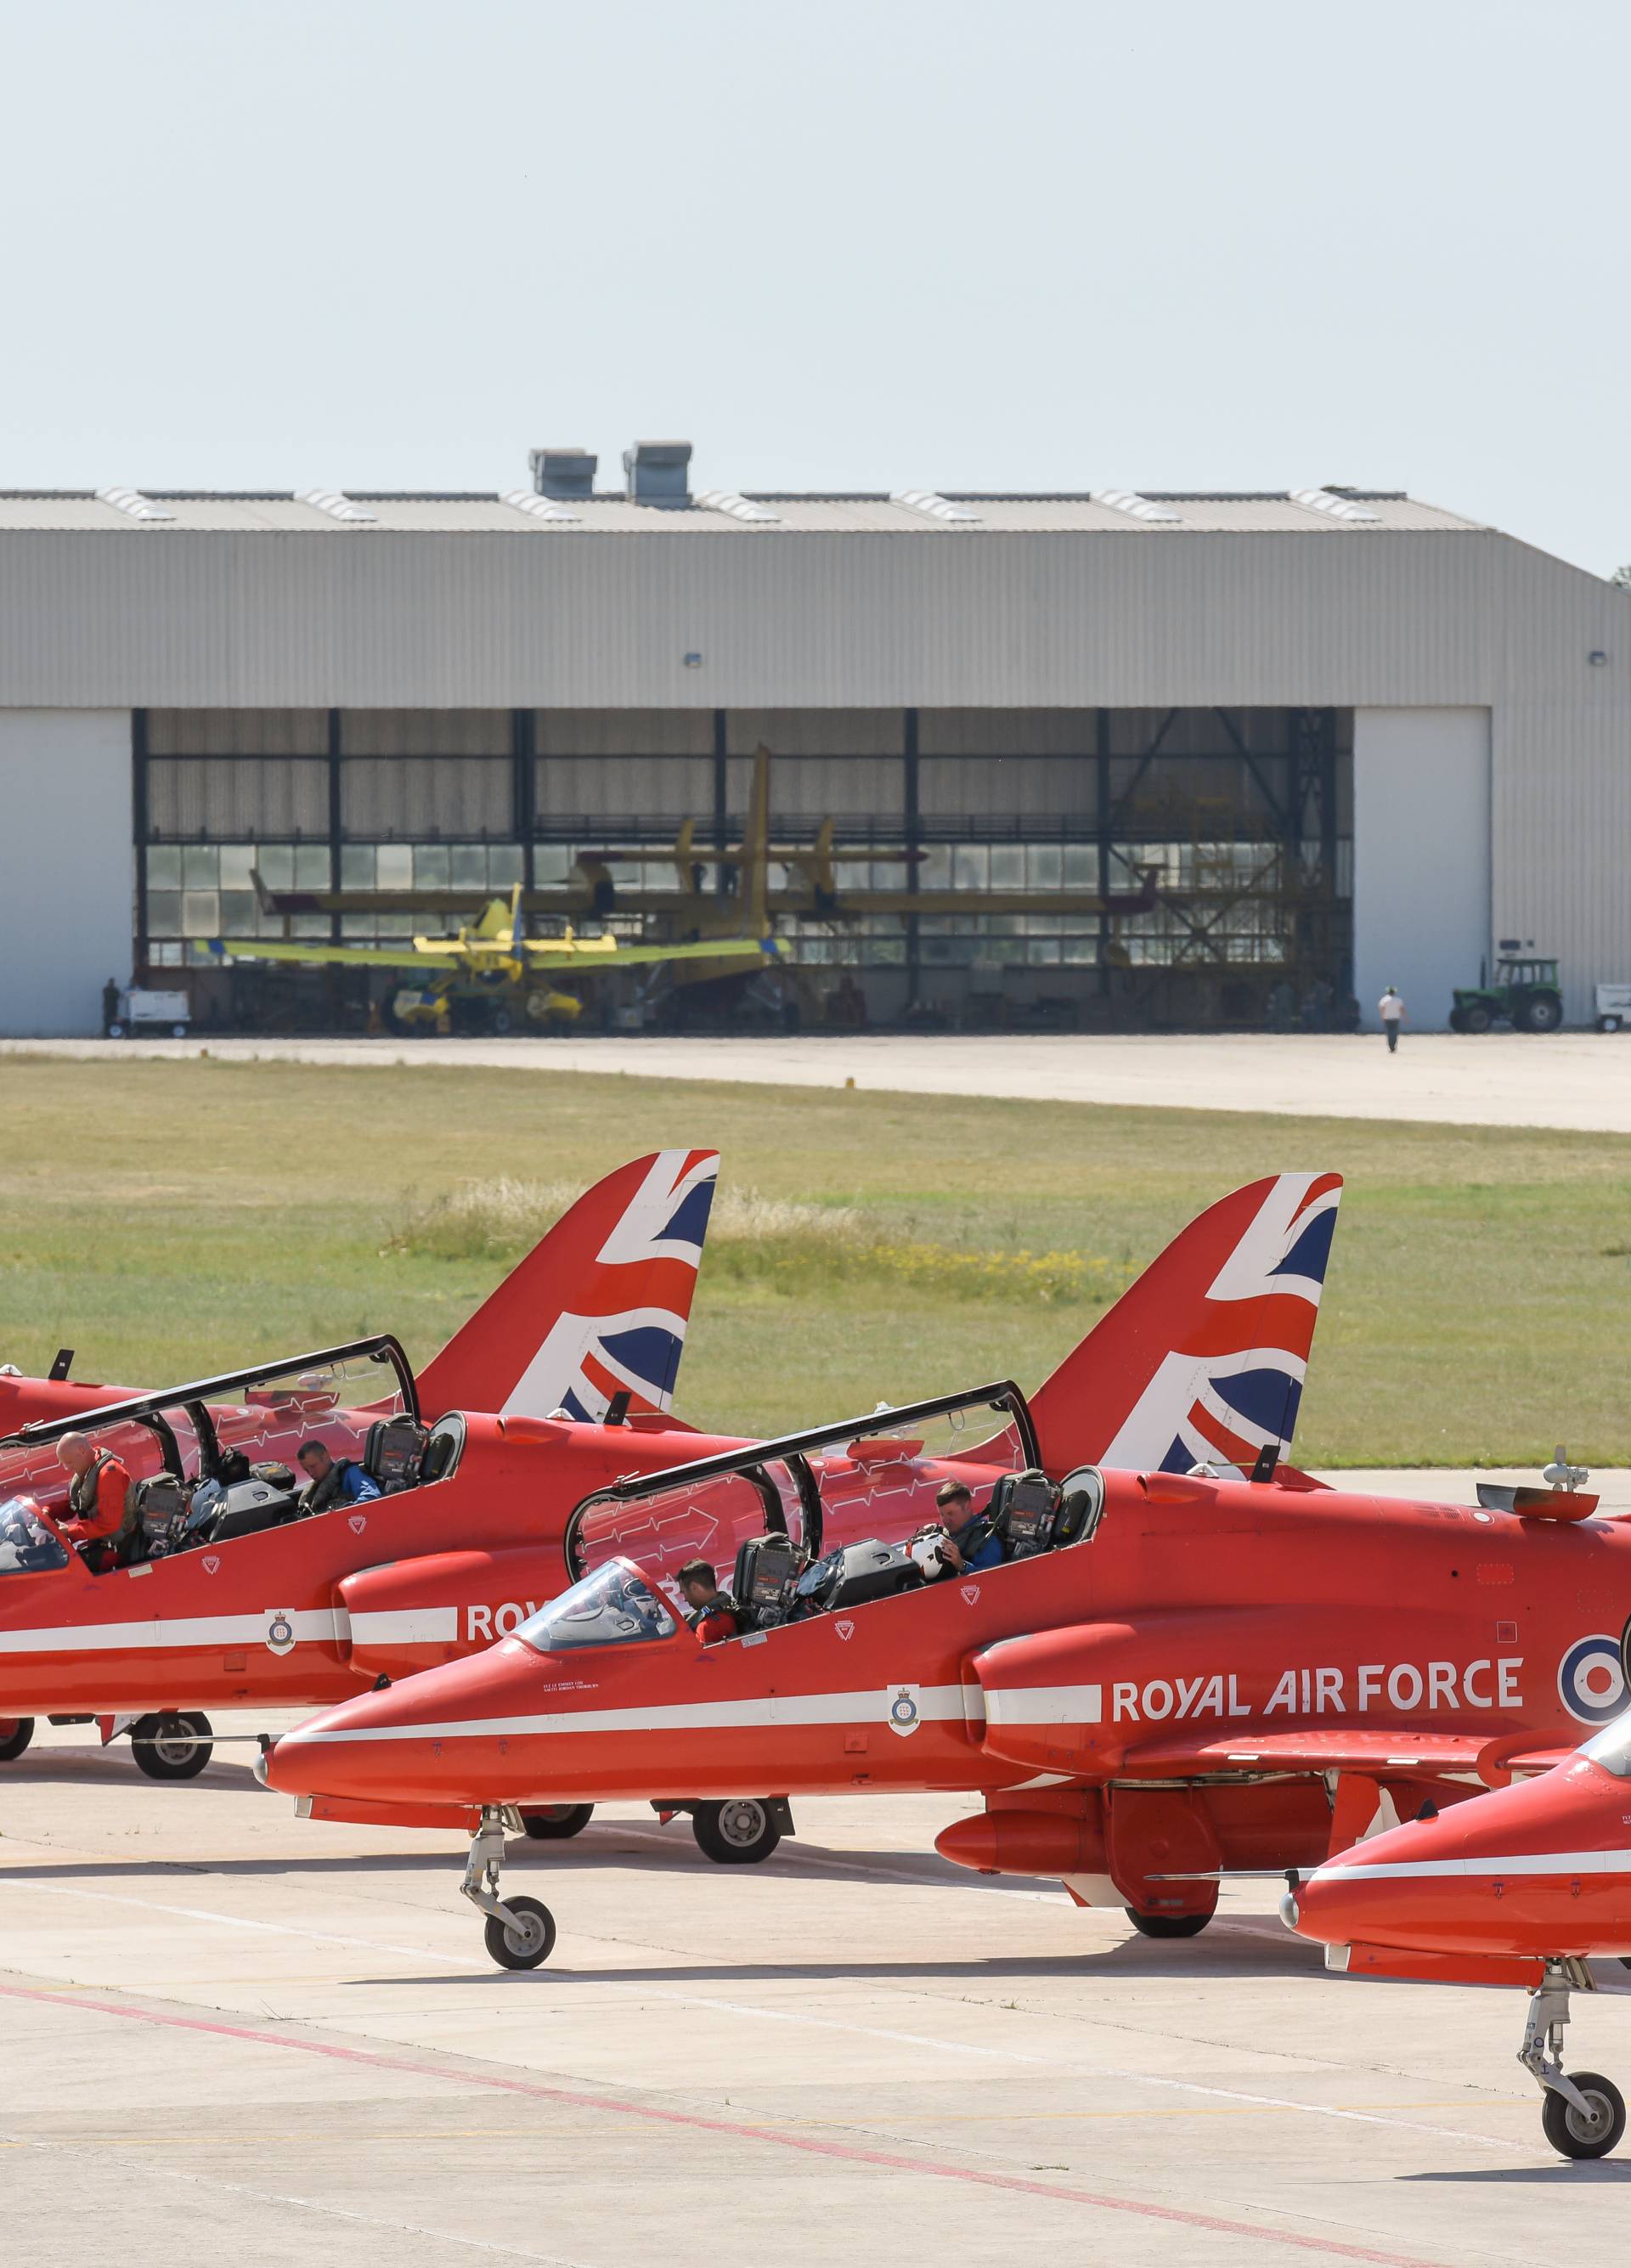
[[1575, 2135], [15, 1735], [1477, 1017], [502, 1022], [1543, 1012], [526, 1940], [1457, 1020], [739, 1833], [1148, 1925], [1608, 1023], [172, 1747], [557, 1822]]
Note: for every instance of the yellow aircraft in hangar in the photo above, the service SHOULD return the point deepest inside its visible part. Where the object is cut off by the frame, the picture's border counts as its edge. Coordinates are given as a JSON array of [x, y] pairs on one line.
[[493, 956]]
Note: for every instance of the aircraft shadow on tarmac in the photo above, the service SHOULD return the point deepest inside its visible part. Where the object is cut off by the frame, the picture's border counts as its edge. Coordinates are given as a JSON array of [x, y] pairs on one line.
[[1133, 1960], [1599, 2172]]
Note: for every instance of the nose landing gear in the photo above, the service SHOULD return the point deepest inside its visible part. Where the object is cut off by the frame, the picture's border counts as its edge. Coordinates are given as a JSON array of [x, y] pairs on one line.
[[1584, 2113], [520, 1932]]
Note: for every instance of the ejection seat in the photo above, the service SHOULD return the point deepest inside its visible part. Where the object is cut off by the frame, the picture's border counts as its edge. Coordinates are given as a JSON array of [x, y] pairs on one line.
[[393, 1453]]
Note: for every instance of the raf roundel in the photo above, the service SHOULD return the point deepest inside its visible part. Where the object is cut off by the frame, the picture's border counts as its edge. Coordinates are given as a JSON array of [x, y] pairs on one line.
[[1590, 1681]]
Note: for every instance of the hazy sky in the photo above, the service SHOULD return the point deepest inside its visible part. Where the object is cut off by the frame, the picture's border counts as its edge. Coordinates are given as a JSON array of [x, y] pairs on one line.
[[904, 242]]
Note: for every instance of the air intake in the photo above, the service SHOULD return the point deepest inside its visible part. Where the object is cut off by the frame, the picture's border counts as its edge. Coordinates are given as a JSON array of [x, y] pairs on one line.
[[658, 472], [567, 473]]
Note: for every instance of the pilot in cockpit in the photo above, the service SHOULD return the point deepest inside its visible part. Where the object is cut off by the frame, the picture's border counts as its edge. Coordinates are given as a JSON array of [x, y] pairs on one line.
[[712, 1614], [969, 1544]]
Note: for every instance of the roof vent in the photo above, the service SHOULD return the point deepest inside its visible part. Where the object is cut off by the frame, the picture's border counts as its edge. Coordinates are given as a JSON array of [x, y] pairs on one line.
[[656, 472], [337, 505], [133, 504], [566, 474], [1136, 506], [540, 507], [932, 506], [738, 507], [1333, 506]]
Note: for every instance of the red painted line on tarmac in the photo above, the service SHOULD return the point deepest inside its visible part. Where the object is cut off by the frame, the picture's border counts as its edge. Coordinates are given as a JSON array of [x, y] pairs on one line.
[[375, 2059]]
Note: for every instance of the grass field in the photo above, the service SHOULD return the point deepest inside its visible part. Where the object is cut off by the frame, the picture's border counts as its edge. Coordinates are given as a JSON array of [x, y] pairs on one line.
[[167, 1219]]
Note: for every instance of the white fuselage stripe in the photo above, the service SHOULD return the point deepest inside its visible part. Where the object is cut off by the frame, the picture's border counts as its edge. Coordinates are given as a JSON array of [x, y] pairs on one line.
[[1522, 1862], [327, 1625], [407, 1626], [941, 1703], [1045, 1704]]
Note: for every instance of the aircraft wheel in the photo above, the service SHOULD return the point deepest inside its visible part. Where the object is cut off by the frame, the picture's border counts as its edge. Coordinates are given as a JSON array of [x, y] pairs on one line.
[[172, 1747], [1148, 1925], [739, 1833], [1575, 2135], [15, 1735], [557, 1822], [526, 1940]]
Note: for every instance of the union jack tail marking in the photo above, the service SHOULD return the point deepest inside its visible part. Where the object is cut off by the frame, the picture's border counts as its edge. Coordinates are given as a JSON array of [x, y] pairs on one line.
[[1204, 1359], [598, 1307]]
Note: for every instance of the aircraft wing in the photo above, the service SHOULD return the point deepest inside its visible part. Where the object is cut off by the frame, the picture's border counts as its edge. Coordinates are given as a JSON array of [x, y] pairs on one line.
[[1345, 1747], [310, 951], [587, 956]]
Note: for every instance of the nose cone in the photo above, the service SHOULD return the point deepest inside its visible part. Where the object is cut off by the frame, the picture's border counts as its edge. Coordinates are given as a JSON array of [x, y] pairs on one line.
[[1516, 1872], [445, 1733]]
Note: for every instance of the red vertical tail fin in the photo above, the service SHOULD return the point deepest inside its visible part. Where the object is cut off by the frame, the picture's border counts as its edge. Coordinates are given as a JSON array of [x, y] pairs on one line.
[[1203, 1358], [599, 1305]]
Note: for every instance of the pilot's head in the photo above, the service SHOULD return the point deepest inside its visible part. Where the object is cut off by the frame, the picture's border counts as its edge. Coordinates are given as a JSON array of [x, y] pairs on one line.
[[955, 1506], [75, 1453], [315, 1458], [699, 1582]]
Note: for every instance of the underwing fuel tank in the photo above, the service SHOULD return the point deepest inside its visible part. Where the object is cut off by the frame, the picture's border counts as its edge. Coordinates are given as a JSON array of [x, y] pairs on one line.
[[1029, 1842]]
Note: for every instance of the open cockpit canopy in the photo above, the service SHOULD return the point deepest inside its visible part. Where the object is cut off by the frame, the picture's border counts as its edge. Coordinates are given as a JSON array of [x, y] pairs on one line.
[[830, 1485], [359, 1400]]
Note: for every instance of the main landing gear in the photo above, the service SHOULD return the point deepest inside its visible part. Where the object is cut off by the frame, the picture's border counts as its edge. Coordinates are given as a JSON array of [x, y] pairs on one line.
[[172, 1746], [520, 1932], [741, 1832], [558, 1822], [167, 1744], [1584, 2113], [1155, 1925]]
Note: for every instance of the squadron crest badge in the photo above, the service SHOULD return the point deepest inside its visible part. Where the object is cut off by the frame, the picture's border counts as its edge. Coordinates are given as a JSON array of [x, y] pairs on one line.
[[280, 1631], [903, 1714]]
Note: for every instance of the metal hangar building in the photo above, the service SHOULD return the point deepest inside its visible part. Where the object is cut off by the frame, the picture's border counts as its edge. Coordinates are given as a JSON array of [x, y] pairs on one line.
[[1350, 739]]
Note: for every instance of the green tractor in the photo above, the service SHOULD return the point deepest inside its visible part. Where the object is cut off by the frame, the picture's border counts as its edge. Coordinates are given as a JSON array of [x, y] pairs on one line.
[[1525, 994]]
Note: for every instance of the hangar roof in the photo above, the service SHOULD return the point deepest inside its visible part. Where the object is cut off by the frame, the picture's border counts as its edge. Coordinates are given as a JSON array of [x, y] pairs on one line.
[[1337, 513]]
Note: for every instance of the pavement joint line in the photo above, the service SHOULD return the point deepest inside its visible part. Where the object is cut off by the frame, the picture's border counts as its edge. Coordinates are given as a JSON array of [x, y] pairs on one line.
[[696, 2120], [316, 2205], [821, 2023]]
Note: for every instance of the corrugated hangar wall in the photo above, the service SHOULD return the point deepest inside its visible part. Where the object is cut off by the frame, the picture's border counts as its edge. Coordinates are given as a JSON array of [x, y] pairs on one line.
[[1388, 625]]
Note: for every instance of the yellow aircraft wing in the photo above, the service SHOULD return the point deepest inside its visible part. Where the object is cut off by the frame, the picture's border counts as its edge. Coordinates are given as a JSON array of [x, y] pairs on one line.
[[582, 956], [312, 953]]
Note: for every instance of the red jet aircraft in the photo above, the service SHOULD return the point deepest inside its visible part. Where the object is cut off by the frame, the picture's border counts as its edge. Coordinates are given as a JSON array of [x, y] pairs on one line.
[[1094, 1700], [236, 1599], [1169, 1675], [1518, 1888], [1221, 1322]]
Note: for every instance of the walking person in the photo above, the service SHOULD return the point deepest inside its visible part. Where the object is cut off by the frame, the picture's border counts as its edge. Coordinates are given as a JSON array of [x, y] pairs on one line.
[[1392, 1010]]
